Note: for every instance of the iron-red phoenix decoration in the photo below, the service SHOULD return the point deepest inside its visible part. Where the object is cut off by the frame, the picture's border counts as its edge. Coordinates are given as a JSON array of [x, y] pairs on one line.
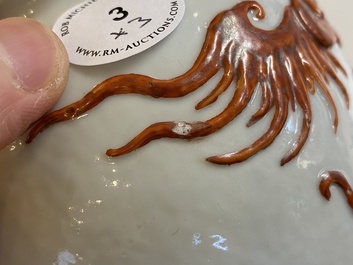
[[287, 63]]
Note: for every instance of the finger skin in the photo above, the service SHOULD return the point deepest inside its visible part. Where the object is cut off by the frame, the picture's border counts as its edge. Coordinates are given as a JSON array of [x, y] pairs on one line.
[[34, 70]]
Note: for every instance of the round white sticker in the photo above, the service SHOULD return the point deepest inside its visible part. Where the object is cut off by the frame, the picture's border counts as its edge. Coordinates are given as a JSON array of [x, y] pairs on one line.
[[104, 31]]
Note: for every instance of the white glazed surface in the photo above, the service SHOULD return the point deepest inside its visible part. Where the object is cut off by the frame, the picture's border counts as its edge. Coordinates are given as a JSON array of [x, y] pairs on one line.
[[62, 201]]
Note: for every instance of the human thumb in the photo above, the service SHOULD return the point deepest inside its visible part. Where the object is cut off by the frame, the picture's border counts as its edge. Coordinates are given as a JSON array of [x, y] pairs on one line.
[[33, 74]]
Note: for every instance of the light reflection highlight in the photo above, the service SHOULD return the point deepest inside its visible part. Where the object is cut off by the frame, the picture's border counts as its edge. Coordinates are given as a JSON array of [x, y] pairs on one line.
[[109, 173], [115, 183], [79, 214], [65, 258], [196, 239], [82, 116], [220, 243], [217, 241], [15, 145], [78, 222]]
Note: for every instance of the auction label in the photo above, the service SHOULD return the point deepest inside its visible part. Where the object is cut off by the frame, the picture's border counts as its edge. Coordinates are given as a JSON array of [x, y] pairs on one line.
[[103, 31]]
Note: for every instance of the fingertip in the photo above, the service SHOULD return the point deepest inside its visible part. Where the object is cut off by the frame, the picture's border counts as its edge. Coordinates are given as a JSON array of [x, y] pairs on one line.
[[34, 71]]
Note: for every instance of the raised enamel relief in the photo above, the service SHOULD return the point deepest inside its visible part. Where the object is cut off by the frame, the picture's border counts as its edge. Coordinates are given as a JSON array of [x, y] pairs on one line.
[[287, 64]]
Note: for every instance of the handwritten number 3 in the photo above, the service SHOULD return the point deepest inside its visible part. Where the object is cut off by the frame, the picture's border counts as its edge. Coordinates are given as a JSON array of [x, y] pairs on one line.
[[120, 12]]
